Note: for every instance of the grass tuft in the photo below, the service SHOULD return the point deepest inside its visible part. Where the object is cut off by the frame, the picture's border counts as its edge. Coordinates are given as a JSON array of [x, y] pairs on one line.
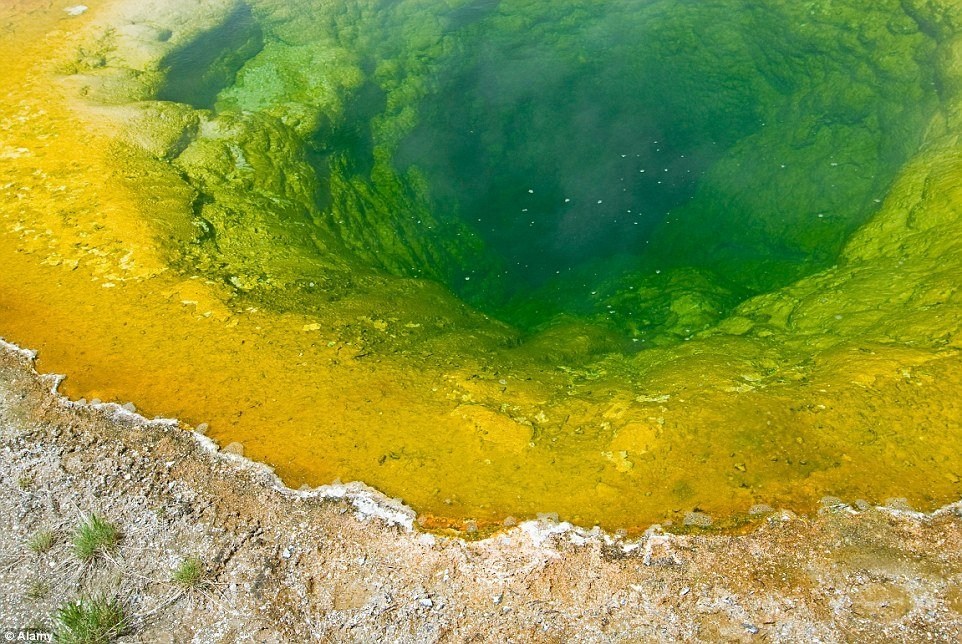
[[189, 573], [38, 590], [42, 541], [95, 537], [90, 621]]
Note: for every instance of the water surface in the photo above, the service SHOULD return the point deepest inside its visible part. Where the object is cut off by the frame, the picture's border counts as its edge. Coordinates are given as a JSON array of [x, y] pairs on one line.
[[618, 262]]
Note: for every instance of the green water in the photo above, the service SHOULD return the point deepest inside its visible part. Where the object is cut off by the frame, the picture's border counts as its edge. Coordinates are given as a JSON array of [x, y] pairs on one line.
[[196, 73], [642, 166], [621, 261]]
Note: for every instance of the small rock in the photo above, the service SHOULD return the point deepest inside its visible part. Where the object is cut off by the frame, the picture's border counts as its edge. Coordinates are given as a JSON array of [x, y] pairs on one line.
[[426, 602], [234, 448], [265, 636], [698, 519], [751, 628], [202, 429], [73, 464], [899, 503], [760, 508], [658, 551], [130, 407], [881, 601], [509, 521]]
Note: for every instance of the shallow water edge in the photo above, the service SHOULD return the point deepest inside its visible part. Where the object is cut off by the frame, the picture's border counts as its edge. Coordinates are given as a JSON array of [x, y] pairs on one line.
[[370, 503], [284, 565]]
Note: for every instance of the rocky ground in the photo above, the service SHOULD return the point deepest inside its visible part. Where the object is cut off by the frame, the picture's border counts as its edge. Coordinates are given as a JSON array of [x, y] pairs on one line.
[[336, 564]]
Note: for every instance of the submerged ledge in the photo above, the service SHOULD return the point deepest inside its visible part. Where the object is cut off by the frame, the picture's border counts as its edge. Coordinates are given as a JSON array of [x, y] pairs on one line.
[[345, 561]]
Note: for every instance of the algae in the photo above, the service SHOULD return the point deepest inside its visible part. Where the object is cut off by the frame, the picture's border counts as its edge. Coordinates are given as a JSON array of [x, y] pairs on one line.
[[528, 156], [779, 322]]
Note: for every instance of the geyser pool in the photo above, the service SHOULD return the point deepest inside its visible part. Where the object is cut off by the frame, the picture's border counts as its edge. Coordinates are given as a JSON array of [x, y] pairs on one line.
[[618, 262], [590, 148], [544, 161]]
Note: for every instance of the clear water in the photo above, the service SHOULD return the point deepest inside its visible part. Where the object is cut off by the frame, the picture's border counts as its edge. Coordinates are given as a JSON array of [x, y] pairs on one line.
[[544, 160]]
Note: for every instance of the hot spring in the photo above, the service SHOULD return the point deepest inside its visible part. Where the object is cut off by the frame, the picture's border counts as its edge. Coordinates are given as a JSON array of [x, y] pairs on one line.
[[623, 262]]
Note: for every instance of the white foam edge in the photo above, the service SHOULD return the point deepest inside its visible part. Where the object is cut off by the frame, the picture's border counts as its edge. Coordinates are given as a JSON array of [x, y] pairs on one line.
[[545, 534], [12, 348], [115, 411]]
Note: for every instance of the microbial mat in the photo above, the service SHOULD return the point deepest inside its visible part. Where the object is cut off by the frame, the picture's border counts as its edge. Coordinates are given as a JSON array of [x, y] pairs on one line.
[[627, 263]]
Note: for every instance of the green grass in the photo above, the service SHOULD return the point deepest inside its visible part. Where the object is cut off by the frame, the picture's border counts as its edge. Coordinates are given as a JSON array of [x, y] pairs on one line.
[[189, 573], [90, 621], [42, 541], [95, 537]]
